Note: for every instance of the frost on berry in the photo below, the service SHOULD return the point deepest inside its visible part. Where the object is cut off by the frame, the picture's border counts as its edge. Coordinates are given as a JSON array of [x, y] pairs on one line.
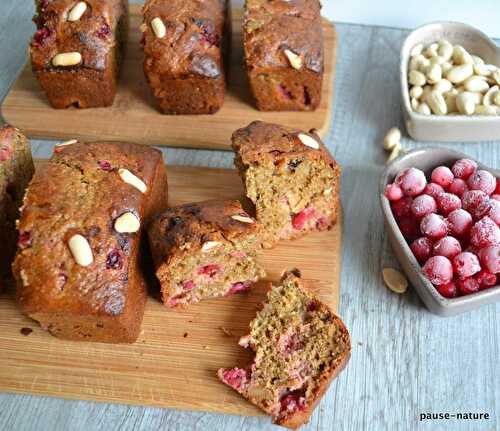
[[489, 208], [485, 232], [393, 192], [458, 187], [472, 199], [423, 205], [433, 190], [459, 222], [466, 265], [402, 208], [464, 168], [448, 290], [482, 180], [442, 176], [433, 226], [422, 249], [485, 279], [438, 270], [468, 285], [412, 181], [448, 247], [490, 258], [448, 202]]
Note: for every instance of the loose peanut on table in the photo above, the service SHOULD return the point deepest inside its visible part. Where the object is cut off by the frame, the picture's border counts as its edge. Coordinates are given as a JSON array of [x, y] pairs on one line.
[[447, 79]]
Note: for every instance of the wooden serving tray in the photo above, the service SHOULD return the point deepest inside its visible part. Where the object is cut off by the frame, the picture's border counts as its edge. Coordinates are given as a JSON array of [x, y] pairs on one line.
[[175, 360], [134, 116]]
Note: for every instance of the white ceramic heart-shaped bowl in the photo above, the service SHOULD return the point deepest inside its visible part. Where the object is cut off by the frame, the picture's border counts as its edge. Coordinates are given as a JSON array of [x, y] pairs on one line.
[[449, 128], [426, 160]]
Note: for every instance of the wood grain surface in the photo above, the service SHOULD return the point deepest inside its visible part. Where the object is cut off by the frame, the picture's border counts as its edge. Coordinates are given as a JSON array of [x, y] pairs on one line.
[[405, 361], [175, 360], [134, 116]]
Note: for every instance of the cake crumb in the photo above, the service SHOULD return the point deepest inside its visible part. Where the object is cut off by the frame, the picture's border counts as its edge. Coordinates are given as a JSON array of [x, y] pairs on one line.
[[226, 331], [185, 334], [26, 331]]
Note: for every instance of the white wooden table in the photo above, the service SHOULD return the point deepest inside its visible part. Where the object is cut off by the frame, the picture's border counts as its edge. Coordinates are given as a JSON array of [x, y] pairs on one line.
[[405, 361]]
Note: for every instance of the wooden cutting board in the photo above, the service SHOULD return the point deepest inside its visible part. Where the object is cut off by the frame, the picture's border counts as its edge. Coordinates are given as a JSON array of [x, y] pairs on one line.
[[175, 360], [134, 117]]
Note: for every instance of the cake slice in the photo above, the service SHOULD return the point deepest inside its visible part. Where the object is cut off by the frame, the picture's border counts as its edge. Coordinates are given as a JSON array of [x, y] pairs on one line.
[[290, 177], [300, 346], [204, 250], [16, 170]]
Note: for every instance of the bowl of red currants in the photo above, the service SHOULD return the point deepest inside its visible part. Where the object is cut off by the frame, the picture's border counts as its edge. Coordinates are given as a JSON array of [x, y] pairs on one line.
[[442, 211]]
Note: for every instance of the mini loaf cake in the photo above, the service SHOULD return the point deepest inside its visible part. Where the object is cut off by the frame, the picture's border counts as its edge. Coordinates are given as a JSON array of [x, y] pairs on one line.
[[81, 232], [283, 43], [16, 170], [290, 177], [183, 54], [204, 250], [77, 48], [300, 346]]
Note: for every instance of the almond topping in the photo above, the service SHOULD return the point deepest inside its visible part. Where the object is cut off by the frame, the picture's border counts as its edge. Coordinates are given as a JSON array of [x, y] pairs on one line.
[[158, 27], [209, 245], [309, 141], [80, 249], [127, 223], [294, 59], [243, 219], [131, 179], [67, 59], [395, 280], [78, 10]]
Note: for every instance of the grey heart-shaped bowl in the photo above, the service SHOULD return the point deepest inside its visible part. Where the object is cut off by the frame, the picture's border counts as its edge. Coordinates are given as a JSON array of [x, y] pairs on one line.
[[449, 128], [426, 160]]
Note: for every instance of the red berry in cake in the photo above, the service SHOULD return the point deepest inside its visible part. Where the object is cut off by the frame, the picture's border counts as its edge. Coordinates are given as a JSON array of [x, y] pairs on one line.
[[188, 285], [490, 258], [237, 377], [433, 189], [459, 222], [422, 249], [482, 180], [448, 290], [24, 240], [412, 181], [448, 247], [442, 176], [466, 265], [105, 165], [104, 31], [433, 226], [402, 208], [471, 199], [423, 205], [448, 202], [468, 285], [291, 402], [409, 228], [300, 219], [458, 187], [485, 232], [41, 36], [464, 168], [485, 279], [239, 287], [438, 270], [114, 260], [210, 270], [393, 192]]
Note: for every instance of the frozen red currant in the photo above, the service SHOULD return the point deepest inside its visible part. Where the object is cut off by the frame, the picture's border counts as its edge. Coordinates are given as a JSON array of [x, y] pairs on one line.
[[402, 208], [485, 232], [489, 208], [490, 258], [459, 222], [393, 192], [412, 181], [422, 249], [466, 265], [433, 190], [423, 205], [458, 187], [442, 176], [433, 226], [438, 270], [448, 290], [471, 199], [485, 279], [409, 228], [464, 168], [497, 188], [448, 202], [448, 247], [468, 285], [495, 197], [482, 180]]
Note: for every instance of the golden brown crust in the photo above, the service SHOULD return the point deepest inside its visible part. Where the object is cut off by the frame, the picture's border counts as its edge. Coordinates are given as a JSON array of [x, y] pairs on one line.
[[98, 36], [16, 170], [185, 68], [272, 28], [80, 191]]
